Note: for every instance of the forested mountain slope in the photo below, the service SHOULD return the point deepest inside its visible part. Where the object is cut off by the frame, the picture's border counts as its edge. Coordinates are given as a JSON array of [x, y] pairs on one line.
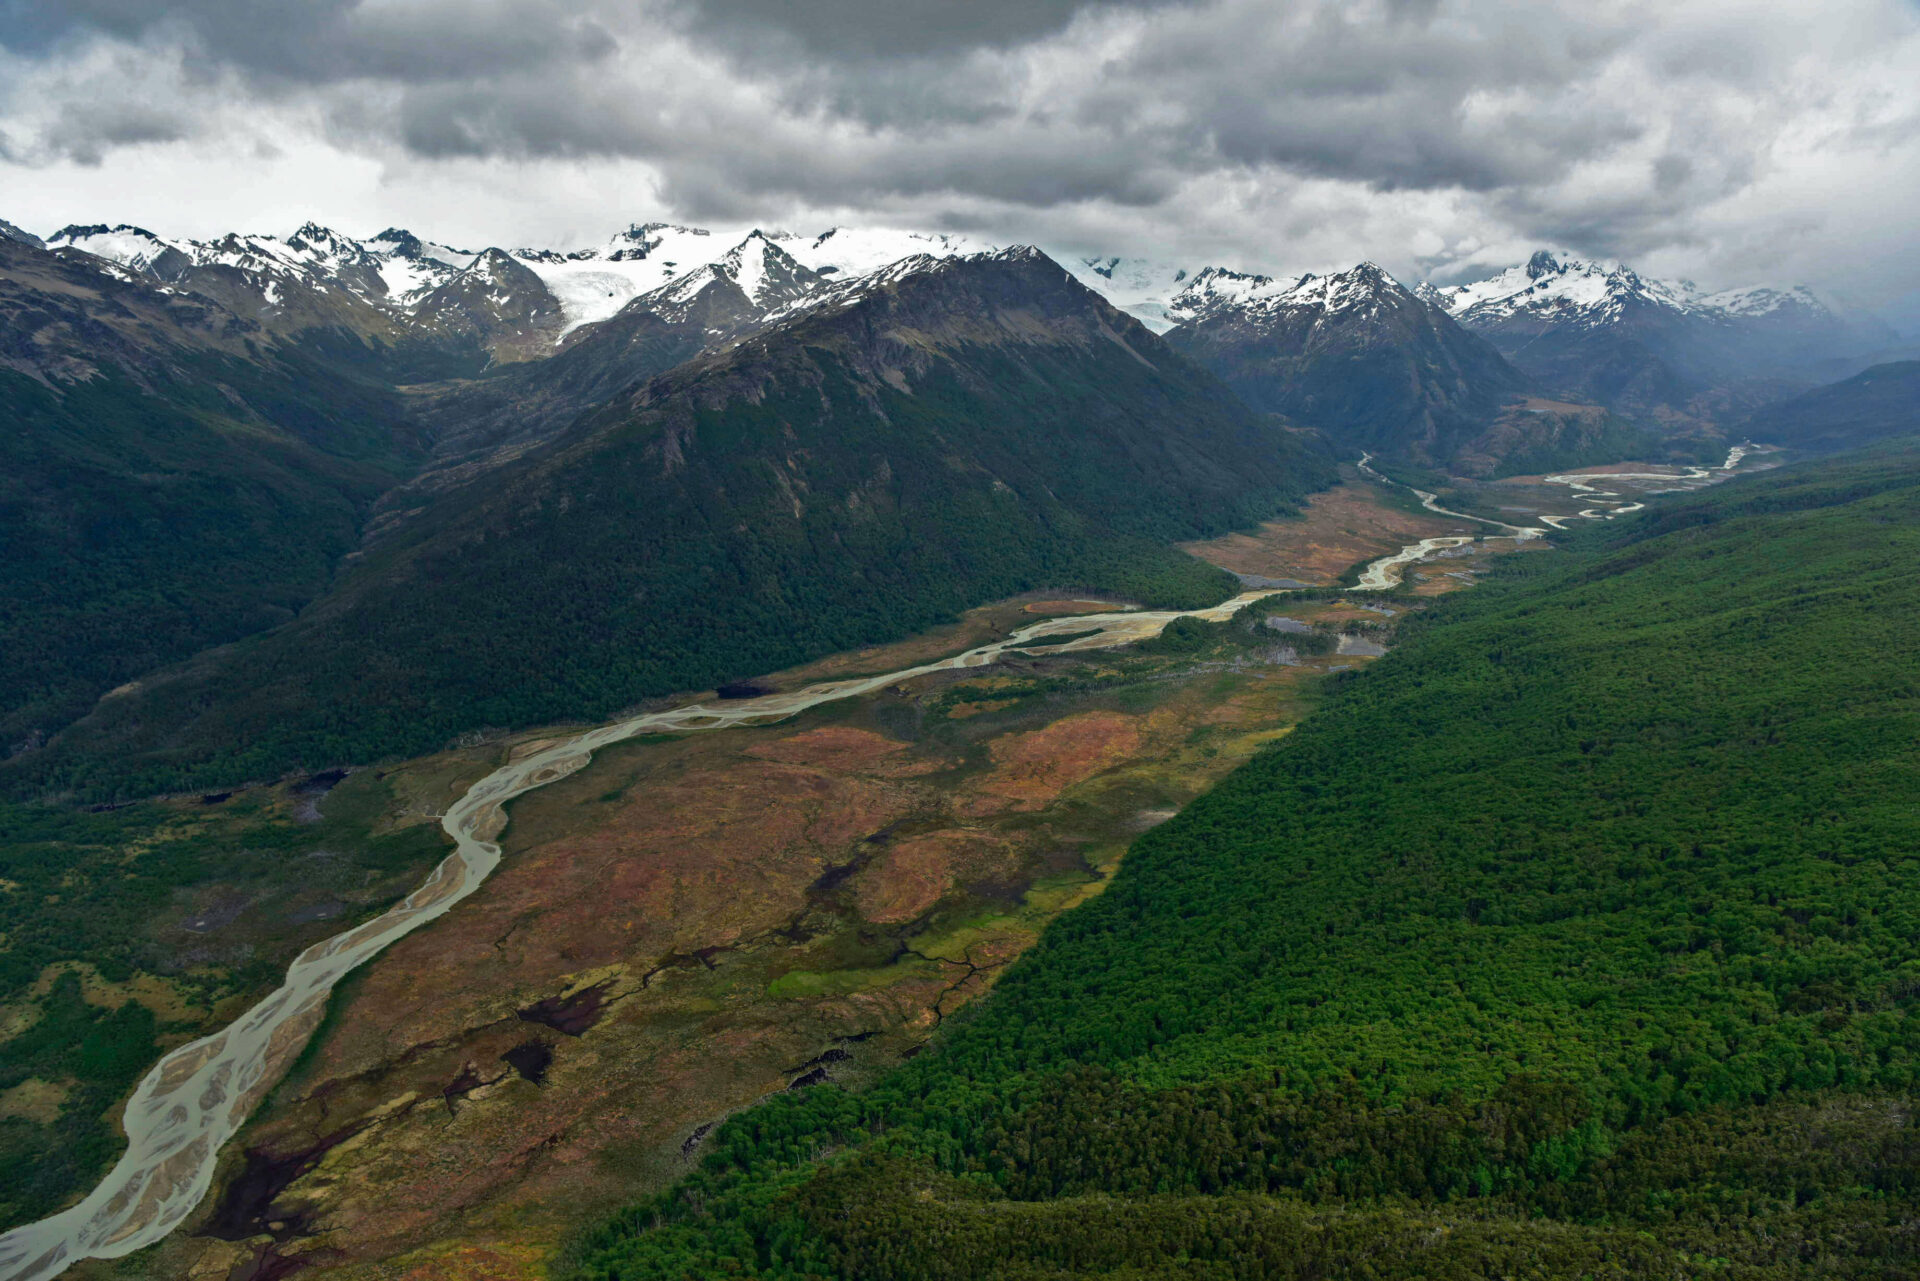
[[1869, 407], [1577, 937], [170, 478], [955, 431]]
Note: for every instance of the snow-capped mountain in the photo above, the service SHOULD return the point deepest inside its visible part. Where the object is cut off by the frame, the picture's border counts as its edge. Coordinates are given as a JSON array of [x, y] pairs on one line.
[[1354, 353], [1216, 291], [590, 285], [404, 279], [1573, 291], [1144, 288], [1597, 293], [860, 251], [135, 248], [498, 303], [754, 292], [1594, 331], [1602, 331], [757, 277], [410, 267], [315, 281], [594, 284], [312, 258], [512, 301]]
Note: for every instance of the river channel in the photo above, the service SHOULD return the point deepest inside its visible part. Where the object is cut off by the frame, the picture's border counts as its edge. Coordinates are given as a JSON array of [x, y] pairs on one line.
[[196, 1097]]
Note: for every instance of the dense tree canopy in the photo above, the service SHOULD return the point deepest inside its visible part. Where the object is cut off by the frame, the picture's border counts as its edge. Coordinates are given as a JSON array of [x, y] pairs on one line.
[[1576, 937]]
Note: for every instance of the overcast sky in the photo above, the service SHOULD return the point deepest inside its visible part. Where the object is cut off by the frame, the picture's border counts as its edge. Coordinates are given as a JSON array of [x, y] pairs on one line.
[[1730, 141]]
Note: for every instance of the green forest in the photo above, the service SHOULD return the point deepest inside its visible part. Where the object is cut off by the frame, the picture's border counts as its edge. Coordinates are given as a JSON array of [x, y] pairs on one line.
[[1579, 936], [144, 519]]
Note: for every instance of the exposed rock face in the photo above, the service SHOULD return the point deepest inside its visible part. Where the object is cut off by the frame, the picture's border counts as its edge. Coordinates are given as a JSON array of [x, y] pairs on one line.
[[499, 304], [1356, 354], [710, 308], [360, 302], [10, 232]]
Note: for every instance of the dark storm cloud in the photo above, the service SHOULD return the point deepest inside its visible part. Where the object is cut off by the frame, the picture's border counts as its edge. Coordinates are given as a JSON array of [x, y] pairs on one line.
[[720, 162], [855, 30], [1379, 95], [323, 41], [87, 132], [1313, 89], [1468, 126]]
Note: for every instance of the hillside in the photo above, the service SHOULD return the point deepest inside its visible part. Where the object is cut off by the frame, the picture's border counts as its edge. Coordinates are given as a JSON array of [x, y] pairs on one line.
[[1356, 355], [954, 431], [1868, 408], [170, 479], [1572, 938]]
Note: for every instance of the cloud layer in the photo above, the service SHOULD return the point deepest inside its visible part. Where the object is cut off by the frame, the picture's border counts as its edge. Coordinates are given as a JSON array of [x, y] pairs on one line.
[[1727, 140]]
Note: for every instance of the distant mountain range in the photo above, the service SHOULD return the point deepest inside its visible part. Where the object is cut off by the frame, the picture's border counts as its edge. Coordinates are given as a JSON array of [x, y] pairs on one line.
[[1875, 405], [755, 463], [1586, 332], [395, 454], [496, 304], [1604, 333]]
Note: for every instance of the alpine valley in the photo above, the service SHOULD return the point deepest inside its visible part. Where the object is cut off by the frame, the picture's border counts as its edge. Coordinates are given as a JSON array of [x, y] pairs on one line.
[[878, 754]]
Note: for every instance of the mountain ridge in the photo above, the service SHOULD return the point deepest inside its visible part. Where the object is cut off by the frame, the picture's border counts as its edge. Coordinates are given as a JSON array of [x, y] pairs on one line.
[[1602, 332], [950, 431]]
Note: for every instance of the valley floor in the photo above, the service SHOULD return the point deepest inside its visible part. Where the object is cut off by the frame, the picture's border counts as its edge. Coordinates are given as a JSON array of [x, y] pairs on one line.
[[692, 922]]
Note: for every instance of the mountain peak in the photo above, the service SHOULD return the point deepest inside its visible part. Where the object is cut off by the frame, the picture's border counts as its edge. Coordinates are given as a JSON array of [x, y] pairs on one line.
[[400, 242], [10, 232], [132, 247], [643, 230], [1307, 347], [1217, 291], [766, 273], [1563, 318], [312, 231]]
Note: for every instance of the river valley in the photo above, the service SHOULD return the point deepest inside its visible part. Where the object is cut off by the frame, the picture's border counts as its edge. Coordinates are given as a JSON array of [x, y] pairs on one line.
[[194, 1099], [1044, 797]]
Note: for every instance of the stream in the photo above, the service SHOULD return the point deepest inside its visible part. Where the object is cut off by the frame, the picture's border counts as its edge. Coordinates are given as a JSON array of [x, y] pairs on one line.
[[1694, 478], [197, 1096], [1386, 572]]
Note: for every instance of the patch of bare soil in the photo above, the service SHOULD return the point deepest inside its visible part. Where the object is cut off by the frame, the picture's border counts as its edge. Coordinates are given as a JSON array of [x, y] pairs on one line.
[[1057, 607], [847, 749]]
